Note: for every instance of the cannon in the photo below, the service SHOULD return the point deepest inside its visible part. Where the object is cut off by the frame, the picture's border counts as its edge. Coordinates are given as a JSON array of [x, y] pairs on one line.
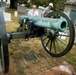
[[56, 31]]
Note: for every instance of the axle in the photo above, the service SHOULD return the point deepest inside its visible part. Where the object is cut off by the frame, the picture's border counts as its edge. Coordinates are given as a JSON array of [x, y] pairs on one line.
[[17, 35]]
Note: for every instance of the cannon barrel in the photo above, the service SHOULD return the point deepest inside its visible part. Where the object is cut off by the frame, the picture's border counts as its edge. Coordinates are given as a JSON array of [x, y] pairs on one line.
[[52, 23]]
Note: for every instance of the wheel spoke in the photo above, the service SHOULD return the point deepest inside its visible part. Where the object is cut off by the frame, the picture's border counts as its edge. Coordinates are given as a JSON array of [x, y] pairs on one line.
[[58, 45], [44, 38], [50, 45], [62, 41], [54, 46], [48, 42]]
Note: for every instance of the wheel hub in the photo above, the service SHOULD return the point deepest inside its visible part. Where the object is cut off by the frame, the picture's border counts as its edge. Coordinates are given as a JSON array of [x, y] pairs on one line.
[[52, 34]]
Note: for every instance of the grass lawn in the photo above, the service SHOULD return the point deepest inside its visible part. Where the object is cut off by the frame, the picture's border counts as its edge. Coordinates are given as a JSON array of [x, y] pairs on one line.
[[19, 47]]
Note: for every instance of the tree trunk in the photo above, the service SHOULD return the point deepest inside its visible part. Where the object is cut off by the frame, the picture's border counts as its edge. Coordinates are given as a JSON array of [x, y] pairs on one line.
[[13, 4]]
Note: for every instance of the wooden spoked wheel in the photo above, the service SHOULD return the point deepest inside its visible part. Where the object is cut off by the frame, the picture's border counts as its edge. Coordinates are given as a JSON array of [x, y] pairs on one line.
[[58, 43], [4, 55]]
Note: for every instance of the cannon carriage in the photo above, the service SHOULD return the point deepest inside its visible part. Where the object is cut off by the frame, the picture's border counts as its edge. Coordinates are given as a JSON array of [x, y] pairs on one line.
[[56, 33]]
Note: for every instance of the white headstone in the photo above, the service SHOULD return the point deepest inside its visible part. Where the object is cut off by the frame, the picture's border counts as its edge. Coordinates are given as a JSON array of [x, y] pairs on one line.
[[64, 37], [15, 13], [7, 16]]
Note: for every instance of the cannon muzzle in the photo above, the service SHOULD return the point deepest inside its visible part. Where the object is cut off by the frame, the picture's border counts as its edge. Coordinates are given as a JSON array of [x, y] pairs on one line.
[[59, 24]]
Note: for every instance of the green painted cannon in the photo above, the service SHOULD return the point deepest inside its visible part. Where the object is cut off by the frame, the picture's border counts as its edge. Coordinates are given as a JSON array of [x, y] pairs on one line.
[[59, 24], [57, 34]]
